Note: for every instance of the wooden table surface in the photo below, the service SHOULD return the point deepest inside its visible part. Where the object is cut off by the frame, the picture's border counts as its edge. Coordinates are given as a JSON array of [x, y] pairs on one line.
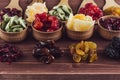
[[64, 67], [28, 68]]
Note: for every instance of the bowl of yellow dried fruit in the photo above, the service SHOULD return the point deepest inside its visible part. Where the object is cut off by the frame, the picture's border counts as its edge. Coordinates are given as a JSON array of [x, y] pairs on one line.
[[80, 27]]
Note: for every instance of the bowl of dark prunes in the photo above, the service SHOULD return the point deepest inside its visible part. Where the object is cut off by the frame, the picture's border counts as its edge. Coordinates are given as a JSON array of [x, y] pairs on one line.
[[109, 26]]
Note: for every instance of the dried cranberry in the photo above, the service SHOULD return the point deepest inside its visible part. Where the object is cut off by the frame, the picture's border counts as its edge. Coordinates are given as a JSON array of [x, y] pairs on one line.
[[111, 23], [9, 53], [92, 11]]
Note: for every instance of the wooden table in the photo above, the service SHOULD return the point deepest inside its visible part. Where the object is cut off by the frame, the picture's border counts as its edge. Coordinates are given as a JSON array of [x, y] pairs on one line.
[[64, 68]]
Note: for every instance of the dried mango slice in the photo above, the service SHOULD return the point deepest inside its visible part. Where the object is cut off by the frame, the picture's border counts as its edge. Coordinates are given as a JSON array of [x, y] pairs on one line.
[[76, 57]]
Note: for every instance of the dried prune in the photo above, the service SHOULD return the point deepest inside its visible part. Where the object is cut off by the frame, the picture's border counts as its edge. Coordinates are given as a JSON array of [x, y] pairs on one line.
[[46, 51], [56, 52], [113, 49]]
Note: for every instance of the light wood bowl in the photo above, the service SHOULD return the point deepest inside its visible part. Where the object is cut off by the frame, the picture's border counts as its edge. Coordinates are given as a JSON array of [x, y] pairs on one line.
[[105, 33], [13, 36], [40, 35], [80, 35]]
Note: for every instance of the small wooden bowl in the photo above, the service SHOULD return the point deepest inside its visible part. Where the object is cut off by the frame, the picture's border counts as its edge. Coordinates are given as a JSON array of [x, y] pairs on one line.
[[40, 35], [105, 33], [80, 35], [13, 36]]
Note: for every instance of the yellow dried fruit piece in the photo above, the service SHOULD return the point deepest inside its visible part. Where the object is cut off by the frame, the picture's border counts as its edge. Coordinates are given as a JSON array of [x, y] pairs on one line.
[[91, 45], [80, 48], [72, 48], [81, 25], [112, 10], [93, 57], [76, 57], [80, 16], [70, 22], [80, 52], [86, 47]]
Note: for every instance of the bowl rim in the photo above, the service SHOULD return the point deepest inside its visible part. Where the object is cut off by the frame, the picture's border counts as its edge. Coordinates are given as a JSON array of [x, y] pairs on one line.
[[107, 16], [13, 32], [47, 32]]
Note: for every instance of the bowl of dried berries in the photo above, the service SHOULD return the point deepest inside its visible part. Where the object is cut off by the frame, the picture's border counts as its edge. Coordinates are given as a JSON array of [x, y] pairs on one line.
[[46, 27], [109, 26]]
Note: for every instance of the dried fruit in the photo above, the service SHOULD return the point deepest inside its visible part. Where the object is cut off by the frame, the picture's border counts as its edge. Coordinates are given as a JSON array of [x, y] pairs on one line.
[[35, 8], [113, 10], [85, 50], [111, 23], [46, 51], [76, 58], [61, 12], [113, 49], [45, 22], [91, 10], [10, 12], [80, 22], [9, 53]]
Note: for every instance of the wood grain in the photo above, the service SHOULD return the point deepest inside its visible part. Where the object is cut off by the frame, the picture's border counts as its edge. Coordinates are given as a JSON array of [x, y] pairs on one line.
[[63, 68]]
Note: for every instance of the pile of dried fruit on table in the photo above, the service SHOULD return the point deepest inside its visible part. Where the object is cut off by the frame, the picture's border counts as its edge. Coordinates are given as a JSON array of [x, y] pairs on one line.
[[47, 51], [91, 10], [9, 53], [84, 51], [46, 23], [113, 49]]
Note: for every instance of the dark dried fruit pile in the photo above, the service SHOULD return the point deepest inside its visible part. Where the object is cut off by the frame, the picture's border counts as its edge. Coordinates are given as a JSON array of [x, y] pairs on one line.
[[111, 23], [46, 51], [113, 49], [9, 53]]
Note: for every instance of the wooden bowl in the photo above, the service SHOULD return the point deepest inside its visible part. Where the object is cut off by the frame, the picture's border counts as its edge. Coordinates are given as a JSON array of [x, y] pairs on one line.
[[40, 35], [105, 33], [13, 36], [80, 35]]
